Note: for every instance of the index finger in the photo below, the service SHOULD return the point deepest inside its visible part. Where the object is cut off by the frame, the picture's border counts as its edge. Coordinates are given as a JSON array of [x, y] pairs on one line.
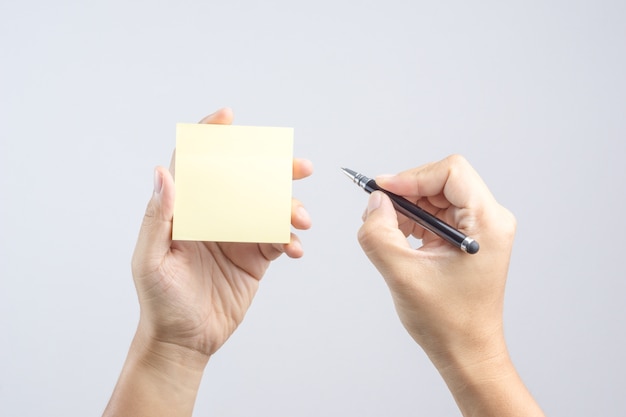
[[452, 178]]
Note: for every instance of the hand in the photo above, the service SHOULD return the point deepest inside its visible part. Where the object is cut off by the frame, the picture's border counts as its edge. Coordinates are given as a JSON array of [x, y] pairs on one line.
[[195, 294], [441, 293], [449, 301]]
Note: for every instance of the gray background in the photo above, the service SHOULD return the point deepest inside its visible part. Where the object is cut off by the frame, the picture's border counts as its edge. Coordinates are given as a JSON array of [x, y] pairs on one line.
[[533, 93]]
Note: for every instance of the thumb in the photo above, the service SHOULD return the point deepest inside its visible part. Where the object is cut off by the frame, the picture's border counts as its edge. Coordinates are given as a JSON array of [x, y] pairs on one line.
[[379, 236], [155, 235]]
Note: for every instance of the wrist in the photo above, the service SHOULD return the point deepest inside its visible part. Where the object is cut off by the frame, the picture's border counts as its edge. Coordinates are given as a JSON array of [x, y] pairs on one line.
[[483, 379], [467, 354], [170, 359], [158, 379]]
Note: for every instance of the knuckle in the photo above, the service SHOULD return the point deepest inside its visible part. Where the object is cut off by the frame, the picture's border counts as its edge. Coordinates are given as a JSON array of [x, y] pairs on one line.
[[505, 225], [510, 222], [151, 215], [376, 241], [457, 166], [456, 160], [367, 237]]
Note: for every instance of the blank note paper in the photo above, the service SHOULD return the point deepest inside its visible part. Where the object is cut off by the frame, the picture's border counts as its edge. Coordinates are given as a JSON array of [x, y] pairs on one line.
[[233, 183]]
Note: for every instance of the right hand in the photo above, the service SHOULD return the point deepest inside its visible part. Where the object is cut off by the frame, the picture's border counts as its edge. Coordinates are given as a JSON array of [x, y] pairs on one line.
[[450, 302]]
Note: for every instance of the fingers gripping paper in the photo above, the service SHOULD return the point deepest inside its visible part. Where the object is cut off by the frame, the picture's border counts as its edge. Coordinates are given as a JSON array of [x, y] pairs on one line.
[[233, 183]]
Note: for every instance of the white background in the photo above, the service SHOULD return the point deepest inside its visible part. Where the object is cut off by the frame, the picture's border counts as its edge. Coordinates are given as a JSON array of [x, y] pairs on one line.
[[533, 93]]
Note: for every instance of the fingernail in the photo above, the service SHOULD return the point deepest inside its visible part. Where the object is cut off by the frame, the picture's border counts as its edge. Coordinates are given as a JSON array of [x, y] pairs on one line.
[[374, 202], [158, 182]]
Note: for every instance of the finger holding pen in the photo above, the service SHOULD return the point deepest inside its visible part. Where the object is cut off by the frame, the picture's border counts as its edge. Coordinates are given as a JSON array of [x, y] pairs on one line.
[[453, 191], [450, 302], [437, 270]]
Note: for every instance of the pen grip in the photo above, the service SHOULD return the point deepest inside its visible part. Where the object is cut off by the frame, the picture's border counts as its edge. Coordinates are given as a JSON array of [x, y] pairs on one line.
[[420, 216]]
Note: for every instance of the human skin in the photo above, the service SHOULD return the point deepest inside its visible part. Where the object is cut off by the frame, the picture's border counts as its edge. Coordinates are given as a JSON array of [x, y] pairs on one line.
[[192, 297], [451, 302]]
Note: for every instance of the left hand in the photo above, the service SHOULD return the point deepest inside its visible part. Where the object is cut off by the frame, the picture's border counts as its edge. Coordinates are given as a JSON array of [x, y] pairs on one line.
[[193, 295]]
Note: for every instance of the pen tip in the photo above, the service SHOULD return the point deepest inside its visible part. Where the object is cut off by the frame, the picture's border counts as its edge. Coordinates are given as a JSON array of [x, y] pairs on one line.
[[349, 173]]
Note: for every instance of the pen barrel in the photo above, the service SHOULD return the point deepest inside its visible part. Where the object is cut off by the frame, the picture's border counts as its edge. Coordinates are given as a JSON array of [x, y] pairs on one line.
[[421, 217]]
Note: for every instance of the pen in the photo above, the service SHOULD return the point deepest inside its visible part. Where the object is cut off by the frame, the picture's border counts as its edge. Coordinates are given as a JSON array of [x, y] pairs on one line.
[[418, 215]]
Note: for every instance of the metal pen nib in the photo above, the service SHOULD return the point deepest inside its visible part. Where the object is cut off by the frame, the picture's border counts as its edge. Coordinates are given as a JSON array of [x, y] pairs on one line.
[[355, 177]]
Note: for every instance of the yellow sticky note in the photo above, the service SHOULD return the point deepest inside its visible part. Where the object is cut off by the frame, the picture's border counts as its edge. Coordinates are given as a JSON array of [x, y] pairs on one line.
[[233, 183]]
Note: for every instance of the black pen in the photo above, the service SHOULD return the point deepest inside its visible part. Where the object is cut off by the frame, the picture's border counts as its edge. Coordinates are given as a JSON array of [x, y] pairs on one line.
[[418, 215]]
